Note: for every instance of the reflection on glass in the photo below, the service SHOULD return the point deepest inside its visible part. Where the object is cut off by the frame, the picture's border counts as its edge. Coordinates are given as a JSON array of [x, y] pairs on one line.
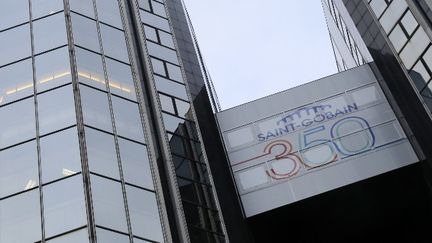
[[108, 203], [150, 32], [95, 108], [174, 72], [90, 69], [144, 214], [120, 79], [135, 163], [18, 213], [17, 122], [167, 103], [127, 119], [64, 207], [52, 69], [114, 43], [158, 8], [49, 33], [183, 109], [56, 109], [162, 52], [101, 153], [13, 13], [60, 155], [166, 39], [14, 44], [155, 21], [107, 236], [80, 236], [42, 8], [18, 170], [170, 87], [16, 81]]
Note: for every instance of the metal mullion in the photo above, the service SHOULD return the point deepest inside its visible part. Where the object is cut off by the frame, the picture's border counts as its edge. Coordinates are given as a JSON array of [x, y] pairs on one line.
[[122, 181], [37, 125], [80, 127]]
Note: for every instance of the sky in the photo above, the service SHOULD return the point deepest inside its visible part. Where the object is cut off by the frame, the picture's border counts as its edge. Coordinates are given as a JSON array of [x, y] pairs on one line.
[[254, 48]]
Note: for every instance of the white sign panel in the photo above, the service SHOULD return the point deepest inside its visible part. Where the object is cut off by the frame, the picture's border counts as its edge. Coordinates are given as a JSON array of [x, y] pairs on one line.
[[328, 143]]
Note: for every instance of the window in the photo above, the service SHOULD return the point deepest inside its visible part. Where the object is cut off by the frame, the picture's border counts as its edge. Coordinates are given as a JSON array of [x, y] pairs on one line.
[[18, 170], [158, 8], [52, 69], [109, 13], [108, 203], [101, 152], [60, 155], [114, 43], [171, 88], [64, 206], [20, 86], [155, 21], [17, 123], [14, 44], [166, 39], [120, 79], [174, 72], [42, 8], [150, 33], [95, 108], [127, 119], [90, 69], [84, 7], [135, 163], [162, 52], [49, 33], [80, 236], [85, 32], [56, 110], [13, 13], [144, 214], [107, 236], [18, 213]]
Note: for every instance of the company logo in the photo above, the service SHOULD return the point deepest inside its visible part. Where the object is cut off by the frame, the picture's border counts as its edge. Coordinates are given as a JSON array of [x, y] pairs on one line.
[[305, 117]]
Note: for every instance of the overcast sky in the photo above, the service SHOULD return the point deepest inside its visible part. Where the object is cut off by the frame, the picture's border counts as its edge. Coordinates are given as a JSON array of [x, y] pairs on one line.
[[255, 48]]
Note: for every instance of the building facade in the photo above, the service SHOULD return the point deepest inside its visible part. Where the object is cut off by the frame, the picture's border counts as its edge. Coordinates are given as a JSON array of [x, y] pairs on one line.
[[99, 140]]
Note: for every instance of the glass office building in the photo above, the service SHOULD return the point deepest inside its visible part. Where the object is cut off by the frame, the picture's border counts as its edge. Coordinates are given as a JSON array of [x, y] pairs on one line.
[[99, 141]]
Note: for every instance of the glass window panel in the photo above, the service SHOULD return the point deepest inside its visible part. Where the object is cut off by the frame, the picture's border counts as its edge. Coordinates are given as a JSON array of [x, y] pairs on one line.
[[49, 33], [114, 43], [183, 109], [422, 74], [18, 213], [90, 69], [106, 236], [158, 66], [109, 12], [52, 69], [13, 13], [120, 79], [240, 137], [145, 4], [18, 170], [14, 44], [167, 103], [190, 169], [85, 32], [392, 14], [17, 122], [136, 240], [174, 72], [60, 155], [135, 163], [378, 6], [414, 48], [427, 57], [95, 108], [162, 52], [80, 236], [101, 153], [127, 119], [144, 214], [166, 39], [409, 22], [16, 81], [150, 33], [253, 177], [42, 8], [158, 8], [366, 96], [172, 123], [84, 7], [170, 87], [64, 206], [56, 110], [108, 203], [398, 38], [155, 21]]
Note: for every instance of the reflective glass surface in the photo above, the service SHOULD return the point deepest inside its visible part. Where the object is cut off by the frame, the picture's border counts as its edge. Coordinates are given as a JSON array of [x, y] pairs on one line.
[[16, 81], [80, 236], [85, 33], [107, 236], [108, 12], [90, 69], [13, 13], [49, 33], [120, 79], [84, 7], [114, 43], [52, 69], [42, 8], [15, 44], [95, 108], [127, 119]]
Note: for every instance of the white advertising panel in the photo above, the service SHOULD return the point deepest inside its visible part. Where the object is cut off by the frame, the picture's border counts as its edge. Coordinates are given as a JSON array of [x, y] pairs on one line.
[[344, 133]]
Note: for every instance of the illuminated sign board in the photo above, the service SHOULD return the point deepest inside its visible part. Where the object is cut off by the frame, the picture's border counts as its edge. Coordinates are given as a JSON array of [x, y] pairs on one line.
[[285, 154]]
